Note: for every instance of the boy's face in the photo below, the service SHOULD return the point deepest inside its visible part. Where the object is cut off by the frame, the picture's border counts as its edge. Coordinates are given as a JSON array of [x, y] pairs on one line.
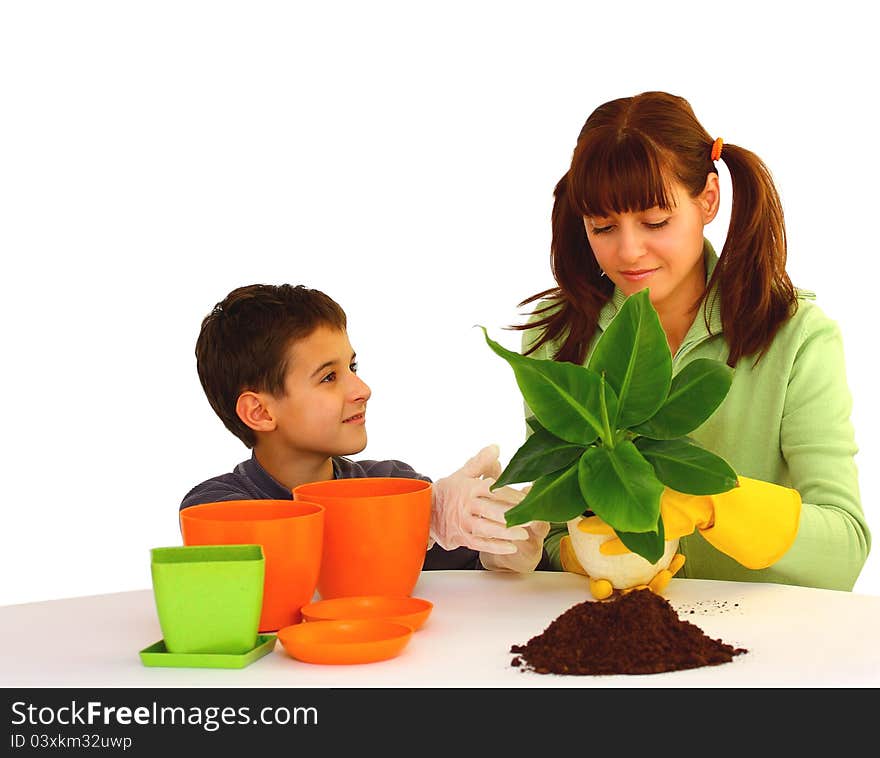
[[324, 408]]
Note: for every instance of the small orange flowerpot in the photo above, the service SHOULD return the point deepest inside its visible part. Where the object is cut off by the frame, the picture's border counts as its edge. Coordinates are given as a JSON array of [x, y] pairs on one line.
[[375, 534], [291, 534]]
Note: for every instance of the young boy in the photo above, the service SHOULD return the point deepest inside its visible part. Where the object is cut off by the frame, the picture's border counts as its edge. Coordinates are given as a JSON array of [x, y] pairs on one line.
[[278, 369]]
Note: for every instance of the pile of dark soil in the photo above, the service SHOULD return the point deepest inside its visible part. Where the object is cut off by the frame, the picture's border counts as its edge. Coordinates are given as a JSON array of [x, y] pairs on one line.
[[635, 633]]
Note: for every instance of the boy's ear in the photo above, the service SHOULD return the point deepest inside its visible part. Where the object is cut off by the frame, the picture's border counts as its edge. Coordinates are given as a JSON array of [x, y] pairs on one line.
[[254, 412]]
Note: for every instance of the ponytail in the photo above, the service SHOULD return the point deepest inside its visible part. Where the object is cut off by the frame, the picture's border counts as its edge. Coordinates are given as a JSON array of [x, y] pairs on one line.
[[757, 296]]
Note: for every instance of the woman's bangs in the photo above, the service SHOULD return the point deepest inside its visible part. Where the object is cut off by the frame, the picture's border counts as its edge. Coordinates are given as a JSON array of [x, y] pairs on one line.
[[617, 175]]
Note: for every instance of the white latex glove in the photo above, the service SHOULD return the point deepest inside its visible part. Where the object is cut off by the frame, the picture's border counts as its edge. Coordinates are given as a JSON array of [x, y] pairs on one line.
[[528, 552], [465, 513]]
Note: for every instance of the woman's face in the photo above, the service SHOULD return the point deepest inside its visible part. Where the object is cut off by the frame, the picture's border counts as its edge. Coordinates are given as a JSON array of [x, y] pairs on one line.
[[656, 248]]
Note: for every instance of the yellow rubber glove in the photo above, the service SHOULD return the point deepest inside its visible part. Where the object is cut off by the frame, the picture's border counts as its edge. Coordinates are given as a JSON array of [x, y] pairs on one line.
[[755, 523]]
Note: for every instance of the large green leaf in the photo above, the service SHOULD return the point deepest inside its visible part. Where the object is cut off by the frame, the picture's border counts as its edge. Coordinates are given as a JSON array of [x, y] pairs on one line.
[[620, 487], [542, 453], [554, 497], [564, 397], [649, 545], [635, 357], [696, 391], [687, 467]]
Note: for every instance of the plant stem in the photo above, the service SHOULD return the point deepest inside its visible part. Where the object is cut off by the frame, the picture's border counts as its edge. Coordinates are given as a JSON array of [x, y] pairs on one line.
[[607, 436]]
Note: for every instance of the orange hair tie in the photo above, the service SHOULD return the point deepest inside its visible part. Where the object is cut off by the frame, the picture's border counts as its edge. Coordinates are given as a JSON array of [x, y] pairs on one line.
[[716, 149]]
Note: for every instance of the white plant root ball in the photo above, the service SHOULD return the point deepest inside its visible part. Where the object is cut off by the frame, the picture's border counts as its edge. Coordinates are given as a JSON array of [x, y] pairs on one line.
[[623, 571]]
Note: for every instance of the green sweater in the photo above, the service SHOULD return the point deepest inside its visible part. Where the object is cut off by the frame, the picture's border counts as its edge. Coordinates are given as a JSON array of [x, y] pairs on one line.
[[787, 421]]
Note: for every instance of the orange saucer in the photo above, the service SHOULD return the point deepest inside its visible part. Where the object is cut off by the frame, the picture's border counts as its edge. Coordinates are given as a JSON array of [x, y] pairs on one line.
[[345, 641], [412, 611]]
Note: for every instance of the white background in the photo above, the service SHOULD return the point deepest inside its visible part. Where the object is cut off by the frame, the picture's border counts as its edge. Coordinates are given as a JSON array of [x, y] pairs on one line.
[[400, 157]]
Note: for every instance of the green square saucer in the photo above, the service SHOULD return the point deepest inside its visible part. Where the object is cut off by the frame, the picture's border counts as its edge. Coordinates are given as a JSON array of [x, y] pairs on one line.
[[157, 655]]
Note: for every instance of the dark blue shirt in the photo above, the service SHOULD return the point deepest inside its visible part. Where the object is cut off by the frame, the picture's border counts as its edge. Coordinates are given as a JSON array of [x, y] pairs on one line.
[[250, 481]]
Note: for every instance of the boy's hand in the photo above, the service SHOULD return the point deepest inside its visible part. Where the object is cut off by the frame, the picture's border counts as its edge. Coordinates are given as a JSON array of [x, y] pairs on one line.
[[528, 554], [465, 513]]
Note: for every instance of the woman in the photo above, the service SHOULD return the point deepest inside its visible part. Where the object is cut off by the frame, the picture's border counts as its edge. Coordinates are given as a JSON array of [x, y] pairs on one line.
[[629, 214]]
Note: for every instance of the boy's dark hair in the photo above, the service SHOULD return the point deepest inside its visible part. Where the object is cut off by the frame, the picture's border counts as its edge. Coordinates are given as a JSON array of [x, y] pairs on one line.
[[243, 343]]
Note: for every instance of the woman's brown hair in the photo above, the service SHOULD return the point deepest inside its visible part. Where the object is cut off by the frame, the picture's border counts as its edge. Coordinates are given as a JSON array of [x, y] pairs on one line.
[[626, 154]]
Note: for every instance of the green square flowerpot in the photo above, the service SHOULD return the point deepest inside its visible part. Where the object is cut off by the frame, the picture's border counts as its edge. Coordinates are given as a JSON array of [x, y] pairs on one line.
[[208, 597]]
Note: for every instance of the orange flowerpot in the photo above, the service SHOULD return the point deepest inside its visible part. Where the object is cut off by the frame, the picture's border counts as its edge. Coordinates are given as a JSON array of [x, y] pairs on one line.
[[375, 534], [291, 534]]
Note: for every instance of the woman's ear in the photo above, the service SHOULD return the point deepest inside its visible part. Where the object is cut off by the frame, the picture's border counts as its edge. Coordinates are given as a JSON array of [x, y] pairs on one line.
[[253, 411], [710, 198]]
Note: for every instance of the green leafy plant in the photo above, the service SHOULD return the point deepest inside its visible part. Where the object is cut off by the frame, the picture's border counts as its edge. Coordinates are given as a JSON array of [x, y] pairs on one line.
[[609, 436]]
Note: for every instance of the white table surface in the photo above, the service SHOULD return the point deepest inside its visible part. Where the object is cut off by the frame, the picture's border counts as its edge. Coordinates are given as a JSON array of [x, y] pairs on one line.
[[796, 637]]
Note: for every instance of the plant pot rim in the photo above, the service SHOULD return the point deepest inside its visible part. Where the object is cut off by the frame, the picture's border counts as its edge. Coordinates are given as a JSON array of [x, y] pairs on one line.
[[397, 487], [296, 510]]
